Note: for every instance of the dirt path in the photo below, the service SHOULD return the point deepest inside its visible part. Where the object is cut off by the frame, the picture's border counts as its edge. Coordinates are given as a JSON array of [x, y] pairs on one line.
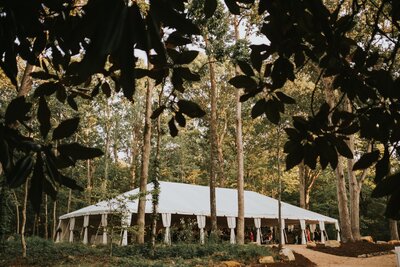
[[328, 260]]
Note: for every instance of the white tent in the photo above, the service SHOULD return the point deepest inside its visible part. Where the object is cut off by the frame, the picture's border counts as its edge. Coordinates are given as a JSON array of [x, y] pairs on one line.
[[193, 200]]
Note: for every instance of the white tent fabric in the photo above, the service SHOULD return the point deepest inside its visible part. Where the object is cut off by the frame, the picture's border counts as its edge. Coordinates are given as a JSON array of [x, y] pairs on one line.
[[201, 223], [71, 229], [85, 228], [322, 229], [337, 231], [188, 199], [58, 233], [125, 223], [303, 231], [257, 224], [166, 220], [282, 235], [104, 226], [232, 225]]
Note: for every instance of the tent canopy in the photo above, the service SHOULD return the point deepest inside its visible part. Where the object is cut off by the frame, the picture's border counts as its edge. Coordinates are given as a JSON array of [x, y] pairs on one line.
[[188, 199]]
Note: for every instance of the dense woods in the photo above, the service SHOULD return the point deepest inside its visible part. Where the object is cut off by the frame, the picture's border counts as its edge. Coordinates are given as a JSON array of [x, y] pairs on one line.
[[99, 97]]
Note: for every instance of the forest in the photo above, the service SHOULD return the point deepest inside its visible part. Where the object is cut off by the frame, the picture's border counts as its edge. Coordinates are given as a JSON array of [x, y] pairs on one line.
[[297, 100]]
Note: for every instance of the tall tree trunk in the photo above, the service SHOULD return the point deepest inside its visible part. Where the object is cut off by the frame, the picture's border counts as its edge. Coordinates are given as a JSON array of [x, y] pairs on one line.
[[355, 185], [23, 241], [26, 82], [144, 173], [354, 190], [54, 228], [222, 178], [16, 203], [46, 218], [307, 178], [213, 142], [106, 149], [89, 180], [34, 225], [134, 153], [24, 89], [302, 185], [239, 153], [344, 215], [156, 195], [394, 231], [69, 200]]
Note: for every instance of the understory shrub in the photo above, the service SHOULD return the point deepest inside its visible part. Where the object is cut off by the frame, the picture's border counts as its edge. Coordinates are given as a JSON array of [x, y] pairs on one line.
[[41, 252]]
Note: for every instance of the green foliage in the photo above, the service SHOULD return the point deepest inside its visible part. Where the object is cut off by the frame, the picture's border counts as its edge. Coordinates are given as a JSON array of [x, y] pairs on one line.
[[45, 253]]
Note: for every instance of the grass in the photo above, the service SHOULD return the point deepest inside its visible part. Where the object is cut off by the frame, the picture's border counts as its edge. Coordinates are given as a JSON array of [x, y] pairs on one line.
[[42, 252]]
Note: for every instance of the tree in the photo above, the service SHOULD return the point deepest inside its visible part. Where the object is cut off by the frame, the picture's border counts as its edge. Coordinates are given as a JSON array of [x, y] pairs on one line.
[[144, 171], [214, 31], [300, 32]]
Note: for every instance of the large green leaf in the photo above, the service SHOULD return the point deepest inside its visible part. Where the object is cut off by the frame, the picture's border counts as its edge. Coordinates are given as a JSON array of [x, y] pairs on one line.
[[387, 186], [20, 172], [366, 160], [43, 116], [191, 109], [259, 108], [79, 152], [172, 127], [66, 128], [243, 81], [36, 188], [17, 110]]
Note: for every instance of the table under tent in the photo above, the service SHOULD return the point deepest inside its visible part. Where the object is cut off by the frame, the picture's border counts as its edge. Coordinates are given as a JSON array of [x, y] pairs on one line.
[[178, 201]]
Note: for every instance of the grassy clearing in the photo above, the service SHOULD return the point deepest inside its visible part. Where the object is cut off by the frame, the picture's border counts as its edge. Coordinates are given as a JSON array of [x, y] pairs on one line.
[[45, 253]]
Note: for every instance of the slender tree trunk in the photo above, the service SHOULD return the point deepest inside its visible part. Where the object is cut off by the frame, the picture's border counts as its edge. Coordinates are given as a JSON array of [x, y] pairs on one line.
[[144, 173], [115, 141], [106, 150], [213, 142], [69, 200], [155, 180], [16, 203], [26, 82], [23, 242], [46, 218], [34, 225], [394, 231], [239, 153], [24, 89], [222, 178], [354, 190], [240, 170], [355, 185], [54, 228], [134, 150], [302, 185], [307, 178], [344, 215], [89, 180]]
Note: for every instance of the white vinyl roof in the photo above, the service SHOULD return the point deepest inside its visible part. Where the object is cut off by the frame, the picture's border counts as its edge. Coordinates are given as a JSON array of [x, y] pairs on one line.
[[188, 199]]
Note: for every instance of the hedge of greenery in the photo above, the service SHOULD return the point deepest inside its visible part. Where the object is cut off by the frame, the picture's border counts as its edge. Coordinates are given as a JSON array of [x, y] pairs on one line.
[[42, 252]]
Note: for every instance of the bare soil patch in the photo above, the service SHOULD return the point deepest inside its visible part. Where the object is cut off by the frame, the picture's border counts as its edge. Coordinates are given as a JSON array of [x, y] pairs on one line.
[[354, 249], [300, 261]]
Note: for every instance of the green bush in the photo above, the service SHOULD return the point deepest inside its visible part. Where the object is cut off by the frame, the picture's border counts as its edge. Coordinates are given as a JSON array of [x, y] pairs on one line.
[[41, 252]]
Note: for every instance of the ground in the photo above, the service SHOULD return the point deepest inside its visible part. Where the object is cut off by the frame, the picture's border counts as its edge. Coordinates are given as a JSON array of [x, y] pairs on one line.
[[354, 249], [328, 260]]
